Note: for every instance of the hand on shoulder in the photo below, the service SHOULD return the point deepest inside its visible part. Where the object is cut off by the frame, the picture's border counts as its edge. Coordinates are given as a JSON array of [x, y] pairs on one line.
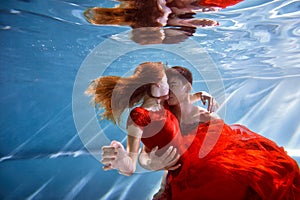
[[205, 115]]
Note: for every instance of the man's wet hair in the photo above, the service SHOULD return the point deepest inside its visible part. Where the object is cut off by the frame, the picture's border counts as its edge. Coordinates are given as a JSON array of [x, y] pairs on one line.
[[181, 73]]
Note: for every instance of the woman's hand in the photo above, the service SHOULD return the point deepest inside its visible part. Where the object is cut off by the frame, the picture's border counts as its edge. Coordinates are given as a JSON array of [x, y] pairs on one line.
[[166, 161], [116, 157]]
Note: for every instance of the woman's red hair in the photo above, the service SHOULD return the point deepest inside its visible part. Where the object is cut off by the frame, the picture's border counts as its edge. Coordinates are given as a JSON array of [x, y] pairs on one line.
[[115, 94]]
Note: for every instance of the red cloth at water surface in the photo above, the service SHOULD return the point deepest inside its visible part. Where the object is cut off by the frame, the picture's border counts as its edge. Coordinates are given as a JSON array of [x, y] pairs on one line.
[[219, 161], [218, 3]]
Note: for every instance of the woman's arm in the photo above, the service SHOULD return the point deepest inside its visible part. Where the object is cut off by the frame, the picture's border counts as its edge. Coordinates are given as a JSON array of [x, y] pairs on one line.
[[134, 134], [116, 157]]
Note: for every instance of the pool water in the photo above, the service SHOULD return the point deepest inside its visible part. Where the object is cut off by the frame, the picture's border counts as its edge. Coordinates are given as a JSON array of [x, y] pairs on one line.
[[46, 44]]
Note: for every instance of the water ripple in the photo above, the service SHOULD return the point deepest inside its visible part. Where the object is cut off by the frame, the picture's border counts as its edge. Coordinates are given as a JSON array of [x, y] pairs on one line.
[[286, 9], [250, 41]]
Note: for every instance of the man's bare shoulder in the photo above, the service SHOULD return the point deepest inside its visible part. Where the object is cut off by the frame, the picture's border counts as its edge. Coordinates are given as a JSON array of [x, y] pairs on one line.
[[206, 114], [200, 109]]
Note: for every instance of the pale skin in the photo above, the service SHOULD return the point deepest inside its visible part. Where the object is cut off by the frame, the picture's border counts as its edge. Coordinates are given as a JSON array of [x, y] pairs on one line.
[[115, 156]]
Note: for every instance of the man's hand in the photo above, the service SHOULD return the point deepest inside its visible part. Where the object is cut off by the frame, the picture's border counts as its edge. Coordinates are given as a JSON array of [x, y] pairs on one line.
[[166, 161], [115, 157], [205, 97]]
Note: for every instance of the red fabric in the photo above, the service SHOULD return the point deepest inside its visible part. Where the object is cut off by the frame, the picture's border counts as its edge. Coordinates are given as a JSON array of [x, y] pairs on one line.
[[234, 163], [163, 129], [140, 116], [218, 3], [223, 162]]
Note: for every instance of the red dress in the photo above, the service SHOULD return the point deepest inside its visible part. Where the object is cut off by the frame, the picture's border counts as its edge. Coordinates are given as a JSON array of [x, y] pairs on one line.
[[219, 161]]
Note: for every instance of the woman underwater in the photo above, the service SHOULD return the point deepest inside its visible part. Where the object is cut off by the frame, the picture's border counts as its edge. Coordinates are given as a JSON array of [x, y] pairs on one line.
[[217, 161]]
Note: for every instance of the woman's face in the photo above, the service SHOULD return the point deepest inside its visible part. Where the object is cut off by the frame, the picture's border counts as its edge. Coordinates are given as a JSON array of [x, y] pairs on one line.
[[161, 88]]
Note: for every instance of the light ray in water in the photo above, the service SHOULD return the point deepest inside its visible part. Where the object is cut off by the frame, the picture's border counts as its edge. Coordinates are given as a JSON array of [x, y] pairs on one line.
[[32, 196], [49, 123], [79, 186], [121, 184]]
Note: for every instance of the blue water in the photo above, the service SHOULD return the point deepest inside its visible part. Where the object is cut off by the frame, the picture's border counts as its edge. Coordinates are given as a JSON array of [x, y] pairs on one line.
[[44, 44]]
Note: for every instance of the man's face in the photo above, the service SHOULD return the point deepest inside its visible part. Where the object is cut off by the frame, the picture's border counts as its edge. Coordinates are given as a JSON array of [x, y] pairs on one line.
[[177, 91]]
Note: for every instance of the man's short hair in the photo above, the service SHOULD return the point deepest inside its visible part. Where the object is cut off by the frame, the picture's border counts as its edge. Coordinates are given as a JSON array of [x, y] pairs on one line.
[[181, 73]]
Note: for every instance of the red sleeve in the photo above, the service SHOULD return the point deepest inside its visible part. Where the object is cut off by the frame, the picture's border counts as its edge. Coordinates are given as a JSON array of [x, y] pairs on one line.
[[140, 117]]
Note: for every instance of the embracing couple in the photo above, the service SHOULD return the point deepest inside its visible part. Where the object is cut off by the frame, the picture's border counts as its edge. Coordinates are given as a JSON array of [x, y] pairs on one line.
[[205, 158]]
